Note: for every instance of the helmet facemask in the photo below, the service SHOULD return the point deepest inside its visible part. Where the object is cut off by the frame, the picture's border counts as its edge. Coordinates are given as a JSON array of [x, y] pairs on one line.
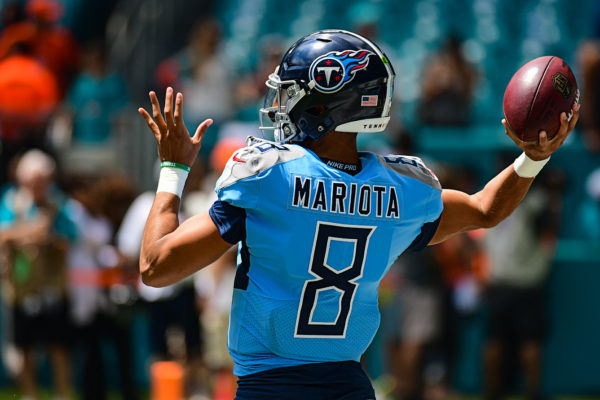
[[281, 98]]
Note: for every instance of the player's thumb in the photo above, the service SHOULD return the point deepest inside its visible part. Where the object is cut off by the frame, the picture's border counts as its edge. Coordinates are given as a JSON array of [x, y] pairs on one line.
[[201, 130]]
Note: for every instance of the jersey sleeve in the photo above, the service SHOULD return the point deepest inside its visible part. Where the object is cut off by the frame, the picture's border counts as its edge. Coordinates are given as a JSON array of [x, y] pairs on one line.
[[244, 182], [435, 205], [427, 231], [230, 220], [431, 222], [241, 181], [429, 188], [239, 184], [412, 167]]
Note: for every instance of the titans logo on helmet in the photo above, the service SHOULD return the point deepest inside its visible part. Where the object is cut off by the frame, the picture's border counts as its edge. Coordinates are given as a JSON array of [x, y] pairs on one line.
[[333, 70]]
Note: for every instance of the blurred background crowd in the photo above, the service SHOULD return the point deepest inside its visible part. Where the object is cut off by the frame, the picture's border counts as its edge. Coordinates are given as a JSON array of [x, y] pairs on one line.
[[486, 314]]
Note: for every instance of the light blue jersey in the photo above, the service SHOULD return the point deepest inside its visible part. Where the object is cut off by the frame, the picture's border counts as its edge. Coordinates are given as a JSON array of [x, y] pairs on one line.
[[317, 242]]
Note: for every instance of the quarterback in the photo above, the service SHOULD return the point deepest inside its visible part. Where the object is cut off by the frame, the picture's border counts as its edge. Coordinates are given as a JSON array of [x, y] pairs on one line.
[[317, 223]]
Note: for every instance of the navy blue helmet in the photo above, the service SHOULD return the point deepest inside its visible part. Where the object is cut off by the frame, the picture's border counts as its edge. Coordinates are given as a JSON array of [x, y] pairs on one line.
[[328, 80]]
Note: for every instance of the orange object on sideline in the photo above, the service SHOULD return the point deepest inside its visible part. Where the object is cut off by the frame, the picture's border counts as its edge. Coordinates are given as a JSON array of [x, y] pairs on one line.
[[28, 91], [225, 386], [167, 380], [222, 152]]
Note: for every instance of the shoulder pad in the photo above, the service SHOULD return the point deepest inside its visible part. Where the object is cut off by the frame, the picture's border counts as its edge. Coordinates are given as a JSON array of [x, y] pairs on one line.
[[256, 158], [412, 167]]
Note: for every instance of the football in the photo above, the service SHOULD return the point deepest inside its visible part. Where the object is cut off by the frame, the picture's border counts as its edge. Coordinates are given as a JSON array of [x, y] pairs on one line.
[[536, 96]]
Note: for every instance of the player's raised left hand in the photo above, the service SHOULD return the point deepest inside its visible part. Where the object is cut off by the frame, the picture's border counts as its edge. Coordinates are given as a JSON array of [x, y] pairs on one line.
[[173, 138], [544, 147]]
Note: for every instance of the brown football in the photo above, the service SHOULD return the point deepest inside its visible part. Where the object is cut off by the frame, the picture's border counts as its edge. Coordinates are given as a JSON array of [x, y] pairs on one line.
[[536, 96]]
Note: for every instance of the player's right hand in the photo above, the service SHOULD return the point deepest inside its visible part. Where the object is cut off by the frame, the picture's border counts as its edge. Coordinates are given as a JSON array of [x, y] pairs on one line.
[[544, 147], [173, 138]]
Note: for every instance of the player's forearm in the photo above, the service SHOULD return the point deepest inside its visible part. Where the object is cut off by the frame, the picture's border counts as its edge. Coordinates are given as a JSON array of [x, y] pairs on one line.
[[171, 252], [485, 209], [501, 196], [155, 252]]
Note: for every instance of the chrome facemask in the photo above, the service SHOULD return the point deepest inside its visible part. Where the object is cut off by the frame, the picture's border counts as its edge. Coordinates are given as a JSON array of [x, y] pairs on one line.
[[280, 99]]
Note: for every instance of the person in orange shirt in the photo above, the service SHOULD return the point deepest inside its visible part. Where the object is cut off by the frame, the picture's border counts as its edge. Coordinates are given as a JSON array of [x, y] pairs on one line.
[[52, 45], [29, 94]]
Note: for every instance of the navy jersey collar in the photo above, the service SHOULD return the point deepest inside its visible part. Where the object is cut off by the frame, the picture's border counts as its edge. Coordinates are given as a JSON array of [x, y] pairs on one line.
[[351, 169], [364, 159]]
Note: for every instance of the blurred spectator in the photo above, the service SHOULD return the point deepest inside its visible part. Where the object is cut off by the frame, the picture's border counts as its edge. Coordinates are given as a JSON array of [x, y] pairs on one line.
[[436, 290], [96, 99], [434, 287], [447, 87], [520, 249], [35, 230], [50, 44], [113, 193], [588, 58], [85, 289], [173, 310], [98, 286], [28, 95], [251, 89], [201, 72], [420, 294], [214, 286], [460, 260], [204, 75]]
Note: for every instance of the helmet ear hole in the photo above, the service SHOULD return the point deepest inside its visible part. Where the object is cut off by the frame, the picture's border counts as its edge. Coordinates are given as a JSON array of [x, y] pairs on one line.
[[316, 110]]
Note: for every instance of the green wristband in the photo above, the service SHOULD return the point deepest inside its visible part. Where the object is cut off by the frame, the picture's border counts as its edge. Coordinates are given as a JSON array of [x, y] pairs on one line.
[[174, 165]]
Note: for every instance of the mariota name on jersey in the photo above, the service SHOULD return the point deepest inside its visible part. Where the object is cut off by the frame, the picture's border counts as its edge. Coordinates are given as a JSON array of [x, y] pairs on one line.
[[345, 198]]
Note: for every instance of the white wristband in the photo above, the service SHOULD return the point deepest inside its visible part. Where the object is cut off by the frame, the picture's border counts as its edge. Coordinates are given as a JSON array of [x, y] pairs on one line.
[[525, 167], [172, 180]]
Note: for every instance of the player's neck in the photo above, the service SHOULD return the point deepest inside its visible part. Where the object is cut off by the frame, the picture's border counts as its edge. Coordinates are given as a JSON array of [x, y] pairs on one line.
[[338, 146]]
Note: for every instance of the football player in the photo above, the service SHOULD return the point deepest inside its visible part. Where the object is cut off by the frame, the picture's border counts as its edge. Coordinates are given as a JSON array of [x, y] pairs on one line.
[[316, 222]]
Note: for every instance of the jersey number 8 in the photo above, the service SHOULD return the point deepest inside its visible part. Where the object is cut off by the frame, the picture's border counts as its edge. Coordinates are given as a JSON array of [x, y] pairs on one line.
[[343, 281]]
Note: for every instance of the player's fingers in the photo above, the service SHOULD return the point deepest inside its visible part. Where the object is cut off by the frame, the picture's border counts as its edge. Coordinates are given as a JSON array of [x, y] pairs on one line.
[[510, 135], [151, 124], [575, 117], [564, 124], [169, 109], [563, 131], [201, 130], [179, 109], [543, 139], [158, 118]]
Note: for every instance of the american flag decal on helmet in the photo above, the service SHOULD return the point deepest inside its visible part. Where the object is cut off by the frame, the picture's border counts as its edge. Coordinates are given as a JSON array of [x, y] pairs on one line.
[[368, 101]]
